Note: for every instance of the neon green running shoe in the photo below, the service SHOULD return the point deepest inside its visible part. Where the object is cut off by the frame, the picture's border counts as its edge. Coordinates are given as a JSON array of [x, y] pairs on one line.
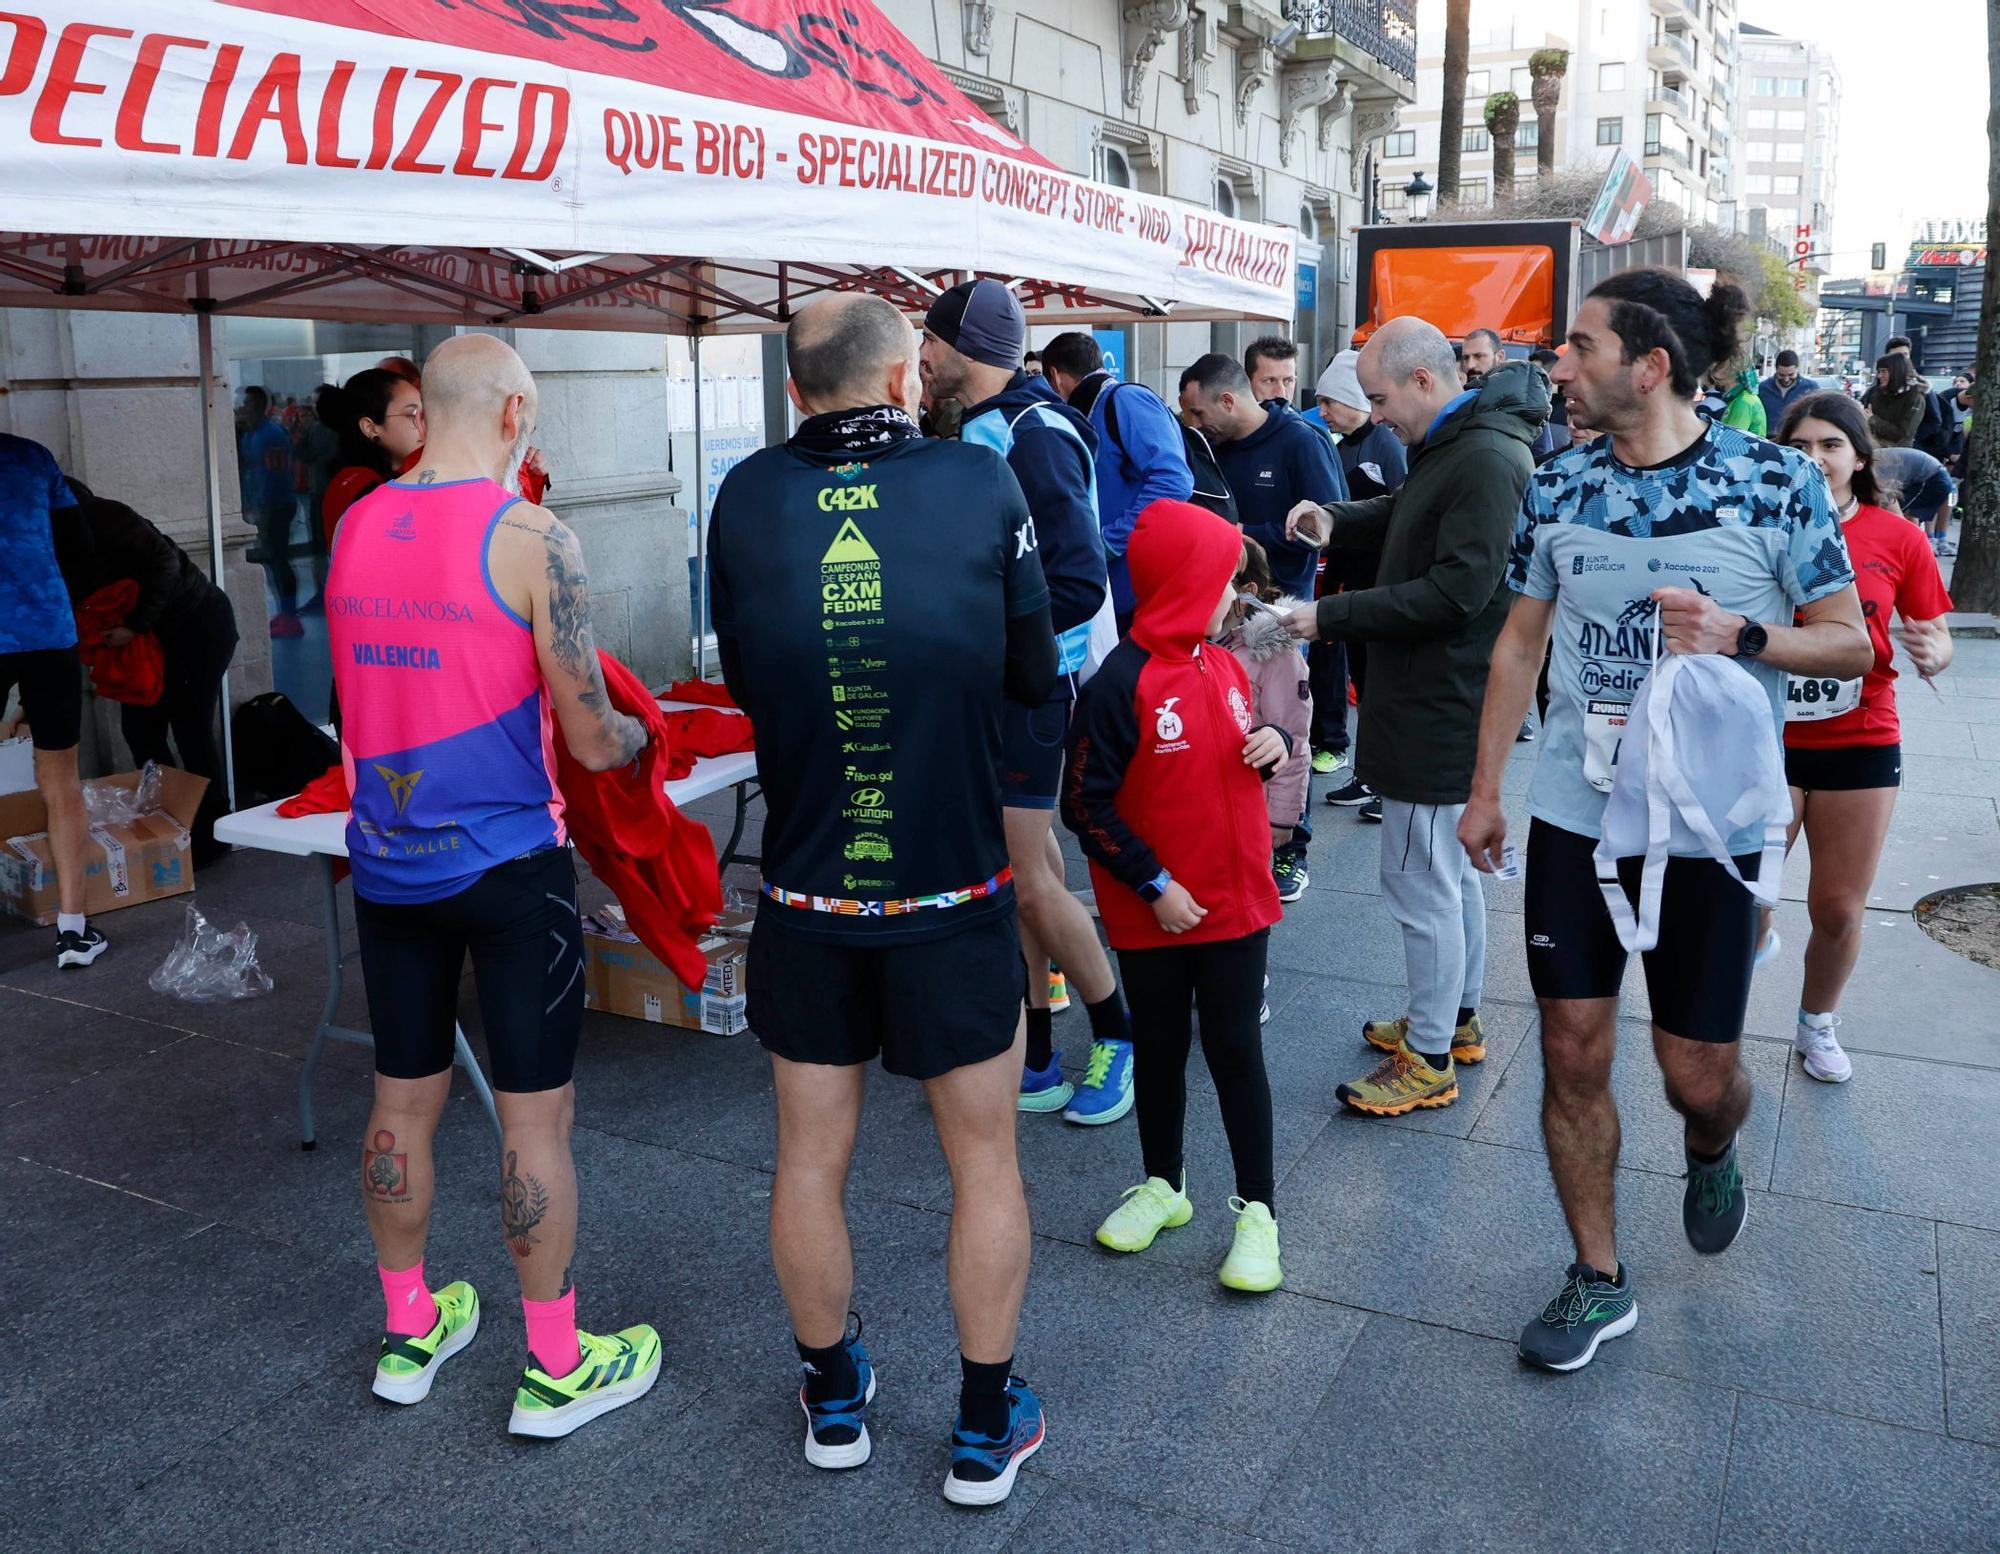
[[615, 1371], [1326, 761], [409, 1365], [1146, 1210], [1252, 1263]]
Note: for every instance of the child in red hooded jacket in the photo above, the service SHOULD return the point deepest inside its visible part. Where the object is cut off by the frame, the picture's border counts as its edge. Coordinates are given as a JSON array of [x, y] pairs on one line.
[[1163, 789]]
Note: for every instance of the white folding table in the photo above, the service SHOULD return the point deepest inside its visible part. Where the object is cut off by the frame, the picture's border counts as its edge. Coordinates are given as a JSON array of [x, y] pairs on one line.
[[323, 838]]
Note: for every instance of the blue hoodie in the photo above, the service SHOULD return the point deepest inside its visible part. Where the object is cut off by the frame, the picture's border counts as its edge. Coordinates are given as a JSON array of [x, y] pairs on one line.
[[1144, 463], [1777, 398], [1284, 462], [1053, 453]]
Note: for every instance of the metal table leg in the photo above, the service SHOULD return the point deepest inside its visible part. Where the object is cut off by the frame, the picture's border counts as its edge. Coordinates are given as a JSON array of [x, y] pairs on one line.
[[330, 902], [745, 792], [480, 1087]]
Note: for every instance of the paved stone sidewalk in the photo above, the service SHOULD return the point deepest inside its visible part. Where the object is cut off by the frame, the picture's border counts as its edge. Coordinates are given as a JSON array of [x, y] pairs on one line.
[[190, 1309]]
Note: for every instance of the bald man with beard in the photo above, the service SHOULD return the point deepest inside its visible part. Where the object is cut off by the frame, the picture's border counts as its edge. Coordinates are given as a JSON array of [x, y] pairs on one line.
[[460, 624]]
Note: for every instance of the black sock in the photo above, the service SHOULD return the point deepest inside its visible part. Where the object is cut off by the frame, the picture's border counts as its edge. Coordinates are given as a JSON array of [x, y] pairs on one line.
[[830, 1372], [1434, 1061], [1107, 1019], [1710, 1160], [1465, 1015], [1041, 1039], [982, 1396]]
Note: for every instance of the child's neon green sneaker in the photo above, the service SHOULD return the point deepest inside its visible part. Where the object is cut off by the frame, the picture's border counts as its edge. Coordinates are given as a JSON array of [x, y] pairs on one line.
[[408, 1365]]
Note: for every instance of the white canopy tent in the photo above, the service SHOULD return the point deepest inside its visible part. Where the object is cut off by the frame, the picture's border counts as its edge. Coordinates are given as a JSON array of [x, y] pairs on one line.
[[682, 166]]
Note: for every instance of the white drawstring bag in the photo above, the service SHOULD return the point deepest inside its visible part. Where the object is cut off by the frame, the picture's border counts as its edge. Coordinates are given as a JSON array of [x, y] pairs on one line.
[[1699, 762]]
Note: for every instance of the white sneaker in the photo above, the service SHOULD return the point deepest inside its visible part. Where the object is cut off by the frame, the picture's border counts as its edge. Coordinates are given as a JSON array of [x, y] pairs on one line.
[[1820, 1050]]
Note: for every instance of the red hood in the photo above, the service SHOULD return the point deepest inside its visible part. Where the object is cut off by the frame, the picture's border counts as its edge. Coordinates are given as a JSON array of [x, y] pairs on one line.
[[1180, 558]]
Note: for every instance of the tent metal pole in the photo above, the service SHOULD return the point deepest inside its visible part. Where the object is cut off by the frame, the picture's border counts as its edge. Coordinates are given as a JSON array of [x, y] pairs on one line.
[[204, 331], [700, 526]]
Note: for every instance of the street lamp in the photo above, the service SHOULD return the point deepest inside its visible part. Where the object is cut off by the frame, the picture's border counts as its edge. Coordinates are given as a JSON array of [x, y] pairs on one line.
[[1418, 193]]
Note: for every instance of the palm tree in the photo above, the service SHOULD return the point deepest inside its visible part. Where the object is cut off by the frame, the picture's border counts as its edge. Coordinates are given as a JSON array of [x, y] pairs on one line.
[[1451, 120], [1503, 118], [1975, 579], [1547, 67]]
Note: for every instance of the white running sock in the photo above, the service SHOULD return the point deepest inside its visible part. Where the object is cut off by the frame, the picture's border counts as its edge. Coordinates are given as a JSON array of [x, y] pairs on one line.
[[70, 922]]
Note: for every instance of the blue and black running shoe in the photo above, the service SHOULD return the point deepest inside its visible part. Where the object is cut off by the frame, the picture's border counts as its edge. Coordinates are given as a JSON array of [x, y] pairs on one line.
[[837, 1428], [983, 1469]]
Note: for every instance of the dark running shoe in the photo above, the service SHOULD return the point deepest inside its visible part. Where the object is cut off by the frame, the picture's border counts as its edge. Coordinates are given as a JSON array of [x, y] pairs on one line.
[[80, 949], [1350, 793], [1290, 873], [983, 1469], [837, 1429], [1715, 1205], [1372, 810], [1585, 1311]]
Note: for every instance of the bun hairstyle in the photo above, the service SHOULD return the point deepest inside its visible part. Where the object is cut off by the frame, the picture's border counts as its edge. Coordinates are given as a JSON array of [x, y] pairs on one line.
[[366, 394], [1654, 310], [1851, 421]]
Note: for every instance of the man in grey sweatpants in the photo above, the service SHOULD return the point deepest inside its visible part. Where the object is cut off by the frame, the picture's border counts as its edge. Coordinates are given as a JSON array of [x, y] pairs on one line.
[[1429, 622]]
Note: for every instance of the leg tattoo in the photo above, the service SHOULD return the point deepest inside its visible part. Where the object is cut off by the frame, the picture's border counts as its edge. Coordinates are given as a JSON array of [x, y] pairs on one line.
[[385, 1172], [523, 1203]]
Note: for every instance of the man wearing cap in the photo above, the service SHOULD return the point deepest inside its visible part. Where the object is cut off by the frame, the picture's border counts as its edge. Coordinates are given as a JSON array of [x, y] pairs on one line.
[[973, 339], [1374, 462]]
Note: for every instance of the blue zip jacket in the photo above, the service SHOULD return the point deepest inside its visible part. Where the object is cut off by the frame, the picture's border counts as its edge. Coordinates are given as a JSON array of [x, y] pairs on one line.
[[1143, 464], [1053, 453], [1777, 399], [1285, 461]]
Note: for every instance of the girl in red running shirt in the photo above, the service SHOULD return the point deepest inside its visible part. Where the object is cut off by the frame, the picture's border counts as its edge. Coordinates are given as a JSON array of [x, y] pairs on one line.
[[379, 419], [1843, 749]]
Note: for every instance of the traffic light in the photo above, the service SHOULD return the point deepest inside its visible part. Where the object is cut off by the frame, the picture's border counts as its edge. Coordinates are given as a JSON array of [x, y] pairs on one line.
[[1878, 256]]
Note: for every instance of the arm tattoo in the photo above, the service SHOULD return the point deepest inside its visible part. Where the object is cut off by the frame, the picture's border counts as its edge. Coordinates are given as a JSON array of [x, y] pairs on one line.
[[385, 1170], [569, 609], [523, 1203]]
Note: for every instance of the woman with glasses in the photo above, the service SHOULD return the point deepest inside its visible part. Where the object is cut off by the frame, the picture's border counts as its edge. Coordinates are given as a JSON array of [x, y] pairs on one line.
[[379, 418]]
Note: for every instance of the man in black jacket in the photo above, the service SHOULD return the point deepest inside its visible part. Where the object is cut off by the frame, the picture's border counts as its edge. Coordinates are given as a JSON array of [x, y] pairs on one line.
[[195, 623], [1430, 621], [877, 597]]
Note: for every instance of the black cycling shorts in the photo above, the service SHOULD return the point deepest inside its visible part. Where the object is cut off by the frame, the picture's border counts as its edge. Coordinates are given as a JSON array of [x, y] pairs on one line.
[[1856, 766], [1031, 753], [519, 921], [924, 1008], [1698, 977], [51, 681]]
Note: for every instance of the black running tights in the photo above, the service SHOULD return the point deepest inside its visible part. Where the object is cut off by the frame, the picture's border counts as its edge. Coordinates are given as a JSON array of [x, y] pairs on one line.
[[1166, 988]]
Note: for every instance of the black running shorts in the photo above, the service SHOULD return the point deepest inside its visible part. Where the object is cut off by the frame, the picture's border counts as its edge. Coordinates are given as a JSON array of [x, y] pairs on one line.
[[1698, 977], [519, 921], [924, 1008], [1855, 766], [51, 681], [1031, 753]]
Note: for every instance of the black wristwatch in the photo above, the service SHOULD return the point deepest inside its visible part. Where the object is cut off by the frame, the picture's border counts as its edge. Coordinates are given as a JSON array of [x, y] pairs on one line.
[[1751, 640]]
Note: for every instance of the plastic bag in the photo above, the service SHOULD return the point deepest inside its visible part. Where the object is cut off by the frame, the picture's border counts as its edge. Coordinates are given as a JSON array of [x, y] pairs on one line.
[[110, 805], [209, 966]]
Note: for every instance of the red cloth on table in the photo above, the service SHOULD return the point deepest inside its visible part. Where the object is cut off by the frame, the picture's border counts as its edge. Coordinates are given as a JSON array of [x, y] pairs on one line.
[[659, 863], [133, 672], [326, 794], [702, 693], [707, 732]]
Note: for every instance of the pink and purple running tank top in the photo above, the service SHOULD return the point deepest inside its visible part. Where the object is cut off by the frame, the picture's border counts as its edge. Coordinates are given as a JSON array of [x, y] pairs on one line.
[[446, 729]]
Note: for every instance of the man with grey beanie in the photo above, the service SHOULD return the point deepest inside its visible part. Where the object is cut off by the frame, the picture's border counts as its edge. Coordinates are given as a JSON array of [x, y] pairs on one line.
[[1374, 461], [973, 339]]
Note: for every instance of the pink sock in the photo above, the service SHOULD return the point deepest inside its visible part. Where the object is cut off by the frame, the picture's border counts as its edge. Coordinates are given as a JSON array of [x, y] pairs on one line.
[[412, 1312], [552, 1333]]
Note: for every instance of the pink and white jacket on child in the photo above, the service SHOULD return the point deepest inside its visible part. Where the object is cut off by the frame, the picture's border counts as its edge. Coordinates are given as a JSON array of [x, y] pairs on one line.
[[1280, 694]]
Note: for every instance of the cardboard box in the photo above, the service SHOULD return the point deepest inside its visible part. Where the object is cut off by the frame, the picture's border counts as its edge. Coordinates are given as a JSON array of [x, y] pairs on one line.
[[622, 976], [17, 764], [145, 860]]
